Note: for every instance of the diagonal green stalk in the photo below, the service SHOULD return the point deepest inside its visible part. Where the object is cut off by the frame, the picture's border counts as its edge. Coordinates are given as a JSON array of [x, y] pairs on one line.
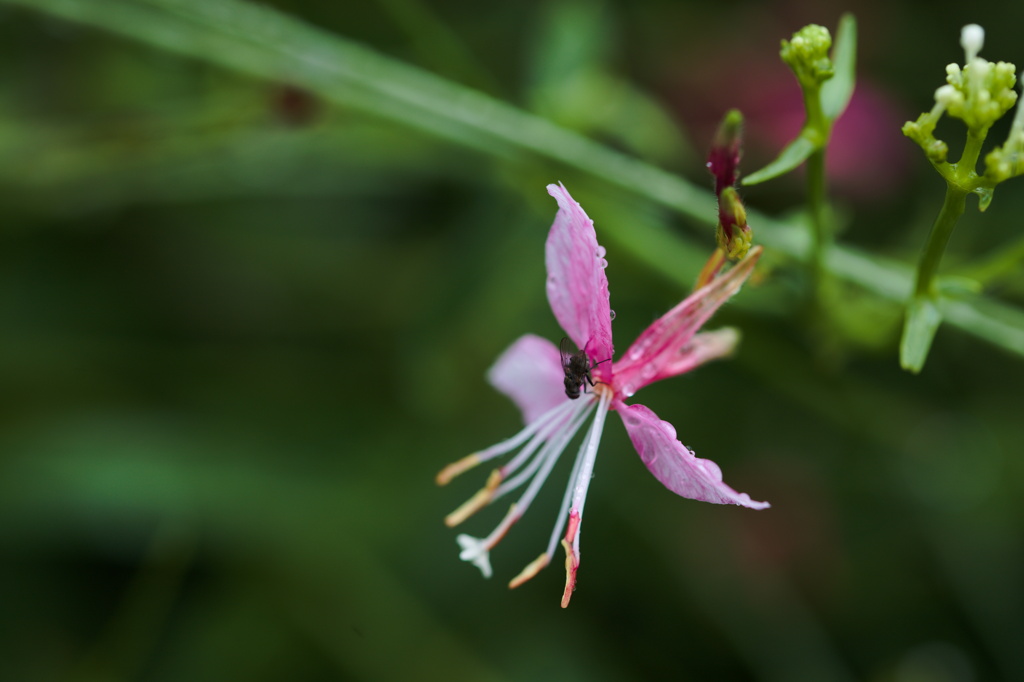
[[818, 127], [264, 43], [960, 183], [923, 316], [952, 208], [821, 235]]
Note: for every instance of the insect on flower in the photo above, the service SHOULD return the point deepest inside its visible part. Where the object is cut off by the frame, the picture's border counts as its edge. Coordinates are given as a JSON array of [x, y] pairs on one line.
[[544, 381], [576, 367]]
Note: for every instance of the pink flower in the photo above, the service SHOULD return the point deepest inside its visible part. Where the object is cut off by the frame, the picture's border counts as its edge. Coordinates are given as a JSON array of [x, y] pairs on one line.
[[531, 373]]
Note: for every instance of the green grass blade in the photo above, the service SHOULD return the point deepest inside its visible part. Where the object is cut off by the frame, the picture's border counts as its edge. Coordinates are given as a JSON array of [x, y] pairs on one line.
[[267, 44], [837, 91]]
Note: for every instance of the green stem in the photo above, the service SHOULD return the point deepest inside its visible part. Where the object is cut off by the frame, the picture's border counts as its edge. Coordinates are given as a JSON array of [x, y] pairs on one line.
[[952, 209], [820, 235], [818, 124], [957, 188], [924, 309], [965, 175]]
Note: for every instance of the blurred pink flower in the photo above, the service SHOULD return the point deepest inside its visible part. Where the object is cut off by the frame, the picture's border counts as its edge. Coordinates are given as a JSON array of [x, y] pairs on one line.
[[532, 373], [867, 158]]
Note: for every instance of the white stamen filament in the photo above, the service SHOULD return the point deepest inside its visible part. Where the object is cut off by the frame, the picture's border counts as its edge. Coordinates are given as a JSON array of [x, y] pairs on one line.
[[477, 550], [588, 454], [563, 509], [530, 429], [547, 458], [513, 464], [552, 449]]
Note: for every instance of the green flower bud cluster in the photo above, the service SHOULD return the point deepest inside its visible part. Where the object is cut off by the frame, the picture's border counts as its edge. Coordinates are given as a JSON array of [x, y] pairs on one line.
[[980, 93], [807, 55]]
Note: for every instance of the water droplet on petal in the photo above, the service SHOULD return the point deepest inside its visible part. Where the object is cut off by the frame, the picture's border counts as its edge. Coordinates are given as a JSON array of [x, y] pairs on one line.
[[635, 354], [601, 251], [713, 470], [611, 314]]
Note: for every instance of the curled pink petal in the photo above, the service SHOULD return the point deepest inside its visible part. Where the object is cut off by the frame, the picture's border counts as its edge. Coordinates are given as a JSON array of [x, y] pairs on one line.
[[530, 373], [674, 464], [656, 352], [577, 285], [703, 347]]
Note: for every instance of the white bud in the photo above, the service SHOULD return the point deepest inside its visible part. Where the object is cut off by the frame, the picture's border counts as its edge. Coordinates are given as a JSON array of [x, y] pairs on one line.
[[947, 95], [972, 38]]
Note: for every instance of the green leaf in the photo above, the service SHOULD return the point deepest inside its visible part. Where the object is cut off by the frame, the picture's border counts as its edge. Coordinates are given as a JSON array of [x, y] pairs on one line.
[[923, 319], [260, 41], [795, 153], [837, 91]]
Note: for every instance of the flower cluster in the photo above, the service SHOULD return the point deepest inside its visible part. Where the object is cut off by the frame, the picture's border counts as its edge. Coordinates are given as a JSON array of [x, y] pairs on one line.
[[532, 372], [807, 55], [979, 94]]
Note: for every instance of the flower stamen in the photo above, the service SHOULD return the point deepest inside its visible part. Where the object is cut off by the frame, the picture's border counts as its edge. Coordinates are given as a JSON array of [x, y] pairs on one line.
[[532, 569], [476, 550], [480, 499], [463, 465], [469, 461], [551, 450]]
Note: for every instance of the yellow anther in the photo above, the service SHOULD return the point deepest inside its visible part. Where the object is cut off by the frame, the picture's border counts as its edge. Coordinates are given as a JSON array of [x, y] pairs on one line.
[[456, 468], [532, 569], [474, 504]]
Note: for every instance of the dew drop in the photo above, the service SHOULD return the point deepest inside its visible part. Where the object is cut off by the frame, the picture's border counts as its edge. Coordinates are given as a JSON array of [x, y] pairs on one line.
[[611, 314], [601, 251]]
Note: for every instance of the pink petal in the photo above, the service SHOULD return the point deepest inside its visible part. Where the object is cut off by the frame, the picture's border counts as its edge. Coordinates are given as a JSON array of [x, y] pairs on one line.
[[577, 285], [703, 347], [656, 352], [674, 464], [530, 373]]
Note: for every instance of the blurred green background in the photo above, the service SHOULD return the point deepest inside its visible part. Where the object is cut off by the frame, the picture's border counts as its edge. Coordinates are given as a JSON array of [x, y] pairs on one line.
[[243, 326]]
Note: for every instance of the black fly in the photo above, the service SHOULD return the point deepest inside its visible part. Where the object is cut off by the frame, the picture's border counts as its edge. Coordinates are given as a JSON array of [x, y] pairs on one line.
[[576, 367]]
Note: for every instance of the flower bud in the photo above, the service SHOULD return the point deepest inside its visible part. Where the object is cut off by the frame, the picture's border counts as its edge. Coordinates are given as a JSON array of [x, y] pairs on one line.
[[807, 55], [972, 38], [733, 234], [724, 157]]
